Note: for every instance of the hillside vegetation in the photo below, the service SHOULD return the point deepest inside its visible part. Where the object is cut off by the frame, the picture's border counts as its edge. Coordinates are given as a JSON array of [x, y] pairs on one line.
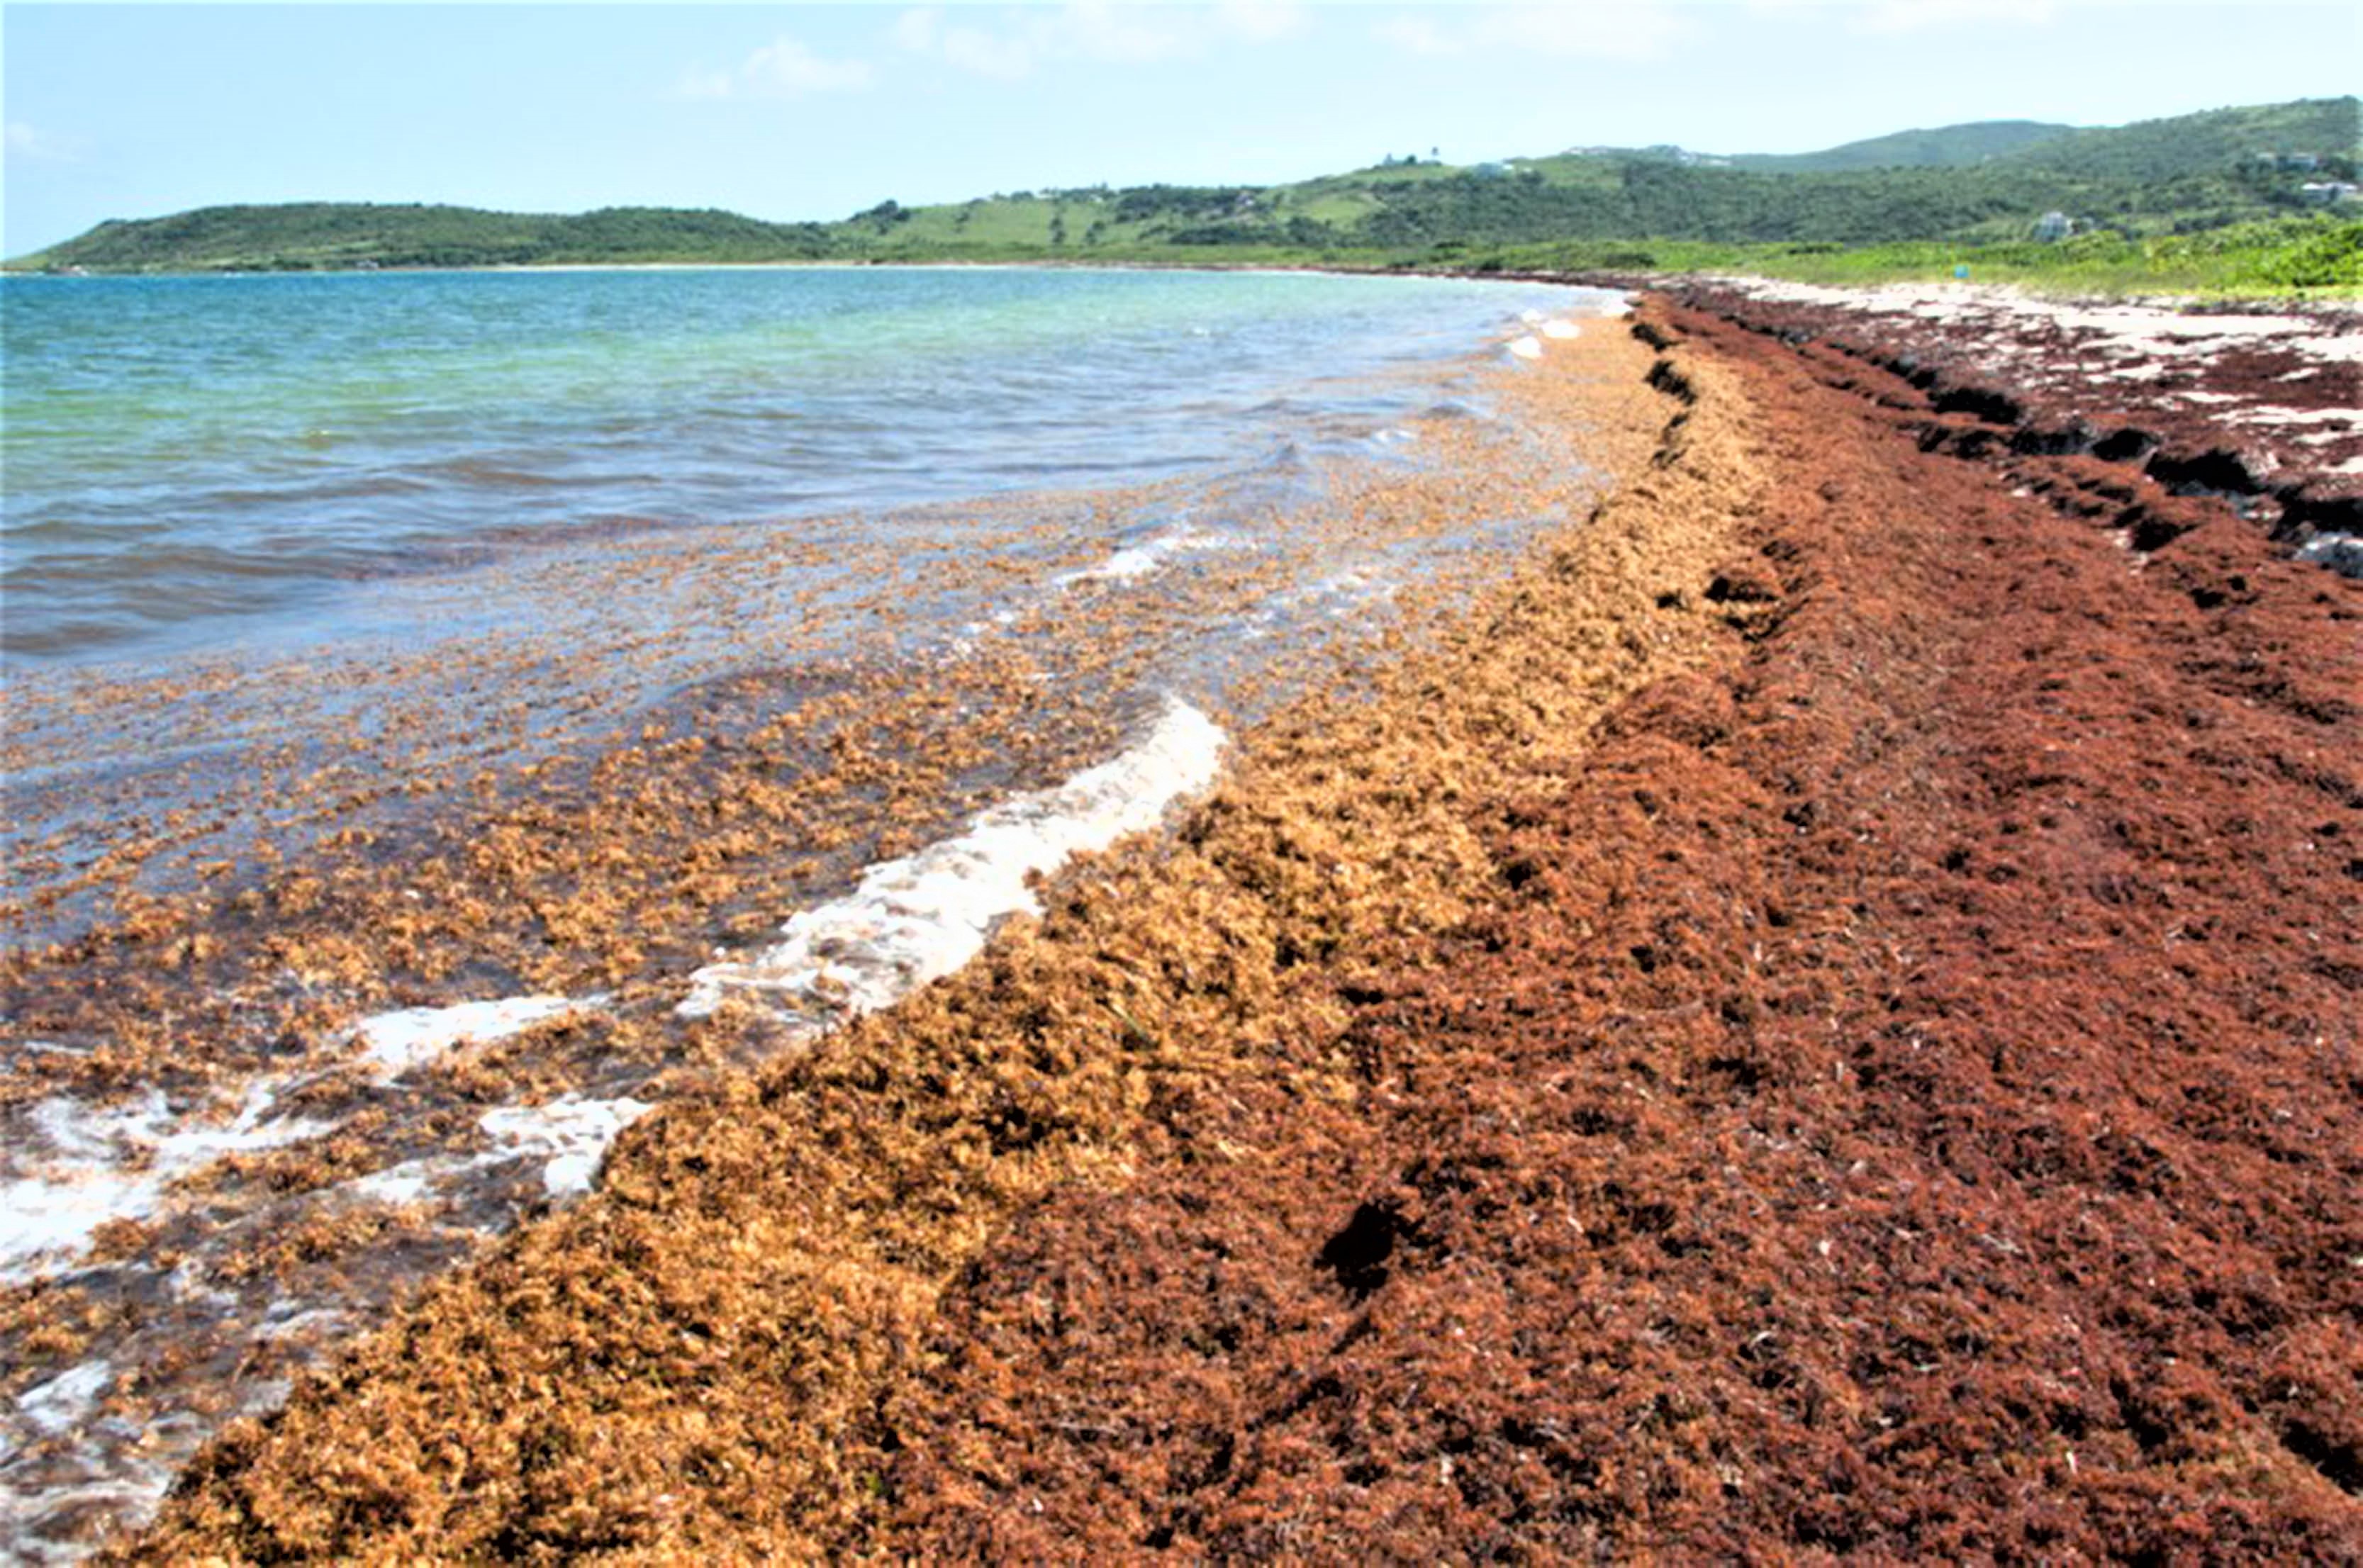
[[2137, 195], [315, 235], [1946, 147]]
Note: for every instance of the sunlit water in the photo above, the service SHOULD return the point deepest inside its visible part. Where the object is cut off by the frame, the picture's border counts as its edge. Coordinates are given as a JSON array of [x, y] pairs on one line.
[[196, 461]]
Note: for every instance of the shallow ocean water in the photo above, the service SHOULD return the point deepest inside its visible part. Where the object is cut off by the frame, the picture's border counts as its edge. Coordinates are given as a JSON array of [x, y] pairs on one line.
[[197, 460]]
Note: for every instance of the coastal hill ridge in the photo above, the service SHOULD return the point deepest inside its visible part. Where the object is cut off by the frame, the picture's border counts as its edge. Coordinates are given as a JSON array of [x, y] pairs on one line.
[[1985, 183]]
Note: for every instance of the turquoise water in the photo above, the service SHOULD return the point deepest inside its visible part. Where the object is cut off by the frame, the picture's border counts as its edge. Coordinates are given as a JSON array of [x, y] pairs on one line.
[[192, 461]]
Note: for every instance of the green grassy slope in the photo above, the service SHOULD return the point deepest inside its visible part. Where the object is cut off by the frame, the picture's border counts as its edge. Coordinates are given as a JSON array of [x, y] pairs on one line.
[[327, 234], [2213, 141], [1945, 147]]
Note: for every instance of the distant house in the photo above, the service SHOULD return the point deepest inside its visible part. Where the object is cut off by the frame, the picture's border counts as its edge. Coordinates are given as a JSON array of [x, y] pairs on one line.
[[2322, 192], [2052, 227], [1491, 170]]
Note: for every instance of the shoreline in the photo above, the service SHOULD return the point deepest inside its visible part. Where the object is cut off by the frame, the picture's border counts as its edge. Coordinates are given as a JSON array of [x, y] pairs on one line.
[[1743, 1049], [906, 1132], [2329, 303], [313, 1079], [1747, 895]]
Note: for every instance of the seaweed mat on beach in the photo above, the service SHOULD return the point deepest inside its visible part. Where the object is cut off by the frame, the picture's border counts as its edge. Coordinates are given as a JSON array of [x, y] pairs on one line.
[[1823, 1019]]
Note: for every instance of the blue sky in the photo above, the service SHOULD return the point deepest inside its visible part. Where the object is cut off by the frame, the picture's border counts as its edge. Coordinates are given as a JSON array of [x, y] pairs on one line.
[[816, 111]]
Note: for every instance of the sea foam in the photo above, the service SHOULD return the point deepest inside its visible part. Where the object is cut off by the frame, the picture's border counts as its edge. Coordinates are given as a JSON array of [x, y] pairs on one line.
[[1131, 563], [916, 919], [114, 1162], [393, 1043]]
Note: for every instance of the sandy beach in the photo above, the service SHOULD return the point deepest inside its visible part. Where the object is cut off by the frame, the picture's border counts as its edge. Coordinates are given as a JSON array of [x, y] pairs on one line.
[[1819, 1014]]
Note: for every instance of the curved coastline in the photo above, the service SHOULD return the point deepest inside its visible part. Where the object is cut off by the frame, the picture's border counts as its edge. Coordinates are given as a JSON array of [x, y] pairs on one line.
[[1744, 1043]]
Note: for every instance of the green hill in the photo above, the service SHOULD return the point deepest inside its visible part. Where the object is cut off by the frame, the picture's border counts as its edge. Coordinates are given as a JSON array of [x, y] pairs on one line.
[[1985, 183], [310, 235], [2328, 128], [1946, 147]]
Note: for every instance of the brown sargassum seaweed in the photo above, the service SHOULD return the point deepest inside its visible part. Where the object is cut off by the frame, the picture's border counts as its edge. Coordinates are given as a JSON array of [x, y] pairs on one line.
[[1821, 1016], [696, 1357]]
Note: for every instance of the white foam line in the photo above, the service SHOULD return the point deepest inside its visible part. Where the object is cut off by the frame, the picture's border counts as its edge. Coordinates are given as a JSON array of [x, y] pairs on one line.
[[64, 1401], [105, 1164], [573, 1132], [570, 1135], [48, 1498], [1136, 561], [89, 1166], [916, 919], [909, 920], [393, 1043], [412, 1181]]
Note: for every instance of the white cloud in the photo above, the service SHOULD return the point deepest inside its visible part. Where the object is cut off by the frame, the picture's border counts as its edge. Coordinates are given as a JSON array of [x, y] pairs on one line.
[[919, 28], [786, 64], [697, 84], [1919, 15], [784, 68], [1010, 42], [1123, 35], [1417, 35], [923, 31], [1260, 21], [1588, 32], [36, 146]]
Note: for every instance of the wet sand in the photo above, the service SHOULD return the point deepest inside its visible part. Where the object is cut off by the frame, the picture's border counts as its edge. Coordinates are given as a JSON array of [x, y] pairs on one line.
[[1820, 1015]]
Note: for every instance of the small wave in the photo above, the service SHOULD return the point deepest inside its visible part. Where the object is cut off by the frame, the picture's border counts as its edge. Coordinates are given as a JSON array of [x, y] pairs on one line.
[[395, 1043], [485, 473], [913, 920], [103, 1165], [568, 1134], [49, 1495], [65, 1399], [85, 1166], [909, 921], [185, 564], [365, 486], [1134, 562]]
